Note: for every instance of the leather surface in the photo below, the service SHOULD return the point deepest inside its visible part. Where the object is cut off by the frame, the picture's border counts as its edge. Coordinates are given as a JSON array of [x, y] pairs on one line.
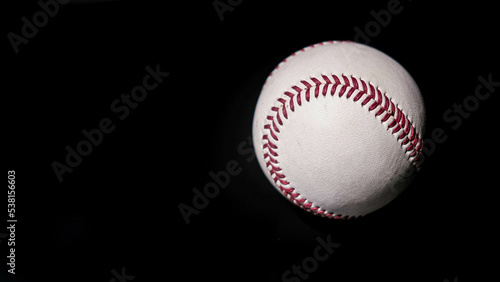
[[333, 151]]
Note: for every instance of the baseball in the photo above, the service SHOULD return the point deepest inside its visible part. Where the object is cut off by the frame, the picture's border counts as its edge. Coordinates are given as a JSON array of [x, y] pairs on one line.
[[338, 129]]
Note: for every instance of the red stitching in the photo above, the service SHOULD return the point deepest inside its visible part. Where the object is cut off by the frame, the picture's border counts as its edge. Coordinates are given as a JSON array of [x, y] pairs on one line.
[[348, 86]]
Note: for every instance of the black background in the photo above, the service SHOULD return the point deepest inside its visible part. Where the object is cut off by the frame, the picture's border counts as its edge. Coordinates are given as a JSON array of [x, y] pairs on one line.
[[119, 207]]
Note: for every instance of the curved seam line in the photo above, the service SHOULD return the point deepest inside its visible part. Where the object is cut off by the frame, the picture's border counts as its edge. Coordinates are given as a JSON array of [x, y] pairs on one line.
[[409, 139]]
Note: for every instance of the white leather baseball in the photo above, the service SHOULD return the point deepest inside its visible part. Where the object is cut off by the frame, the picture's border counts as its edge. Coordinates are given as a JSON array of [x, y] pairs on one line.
[[337, 128]]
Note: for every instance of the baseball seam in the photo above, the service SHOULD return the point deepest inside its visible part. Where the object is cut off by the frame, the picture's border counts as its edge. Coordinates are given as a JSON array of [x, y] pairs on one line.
[[355, 89]]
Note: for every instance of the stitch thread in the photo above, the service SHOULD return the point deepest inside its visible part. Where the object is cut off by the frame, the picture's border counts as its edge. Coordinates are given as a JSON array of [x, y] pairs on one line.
[[334, 85]]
